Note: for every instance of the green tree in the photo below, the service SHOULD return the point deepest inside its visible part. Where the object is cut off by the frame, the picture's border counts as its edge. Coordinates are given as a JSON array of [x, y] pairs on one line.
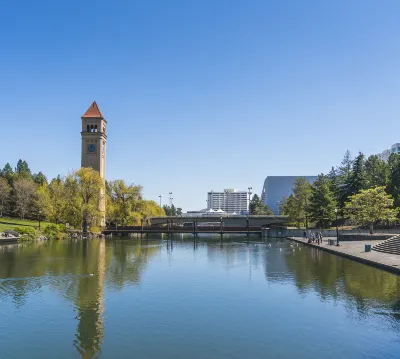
[[5, 190], [344, 178], [302, 193], [7, 173], [394, 178], [179, 211], [322, 202], [370, 206], [88, 185], [22, 170], [258, 208], [376, 172], [39, 178], [334, 183], [125, 201], [357, 178]]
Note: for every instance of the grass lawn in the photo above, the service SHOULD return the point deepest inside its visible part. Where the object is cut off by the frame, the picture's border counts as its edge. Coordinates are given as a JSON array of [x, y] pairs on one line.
[[11, 223]]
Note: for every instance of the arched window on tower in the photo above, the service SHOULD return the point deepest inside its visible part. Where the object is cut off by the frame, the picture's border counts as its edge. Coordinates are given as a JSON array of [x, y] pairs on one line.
[[88, 128], [91, 128], [95, 128]]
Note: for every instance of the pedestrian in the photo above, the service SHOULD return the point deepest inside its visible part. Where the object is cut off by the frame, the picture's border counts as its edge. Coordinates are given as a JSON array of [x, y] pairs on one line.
[[304, 235]]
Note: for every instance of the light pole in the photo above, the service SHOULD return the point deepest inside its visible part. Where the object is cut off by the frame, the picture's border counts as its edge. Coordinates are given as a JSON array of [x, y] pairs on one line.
[[249, 188], [160, 196], [337, 229], [40, 215]]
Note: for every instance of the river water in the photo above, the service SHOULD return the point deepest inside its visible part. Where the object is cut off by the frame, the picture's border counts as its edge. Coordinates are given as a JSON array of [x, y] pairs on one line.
[[183, 299]]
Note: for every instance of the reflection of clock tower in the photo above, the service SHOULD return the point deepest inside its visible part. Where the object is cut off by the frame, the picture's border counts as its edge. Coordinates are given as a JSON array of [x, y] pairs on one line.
[[94, 145]]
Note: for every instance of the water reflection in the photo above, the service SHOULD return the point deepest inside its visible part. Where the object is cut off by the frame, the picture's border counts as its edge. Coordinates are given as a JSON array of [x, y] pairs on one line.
[[83, 271]]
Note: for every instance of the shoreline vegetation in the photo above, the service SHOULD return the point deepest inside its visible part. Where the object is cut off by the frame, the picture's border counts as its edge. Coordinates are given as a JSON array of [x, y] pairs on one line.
[[359, 192], [68, 203]]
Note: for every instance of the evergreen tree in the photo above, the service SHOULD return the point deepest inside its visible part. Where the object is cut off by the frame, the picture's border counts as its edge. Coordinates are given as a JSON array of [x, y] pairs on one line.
[[376, 172], [322, 202], [333, 179], [7, 173], [357, 178], [394, 178], [39, 178], [344, 178], [22, 170]]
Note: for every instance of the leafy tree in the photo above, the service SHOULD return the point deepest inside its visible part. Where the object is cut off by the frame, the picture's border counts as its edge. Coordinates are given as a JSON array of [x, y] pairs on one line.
[[88, 185], [23, 196], [376, 172], [125, 201], [179, 211], [322, 202], [302, 193], [291, 209], [5, 190], [370, 206]]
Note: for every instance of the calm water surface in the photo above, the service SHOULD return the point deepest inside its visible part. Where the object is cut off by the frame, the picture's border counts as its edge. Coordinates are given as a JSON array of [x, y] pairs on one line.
[[154, 299]]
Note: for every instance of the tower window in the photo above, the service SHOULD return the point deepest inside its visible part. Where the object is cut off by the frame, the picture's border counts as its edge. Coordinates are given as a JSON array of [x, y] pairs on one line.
[[88, 128], [91, 128], [95, 128]]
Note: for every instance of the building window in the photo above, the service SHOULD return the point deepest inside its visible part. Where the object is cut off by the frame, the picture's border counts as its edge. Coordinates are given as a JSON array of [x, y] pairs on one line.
[[88, 128]]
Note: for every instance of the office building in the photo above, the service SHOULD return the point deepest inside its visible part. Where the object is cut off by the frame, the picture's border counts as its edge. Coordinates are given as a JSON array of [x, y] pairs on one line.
[[277, 187], [384, 156], [229, 200]]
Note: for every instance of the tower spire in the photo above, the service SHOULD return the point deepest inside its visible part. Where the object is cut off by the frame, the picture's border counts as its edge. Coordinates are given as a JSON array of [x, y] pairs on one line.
[[93, 111]]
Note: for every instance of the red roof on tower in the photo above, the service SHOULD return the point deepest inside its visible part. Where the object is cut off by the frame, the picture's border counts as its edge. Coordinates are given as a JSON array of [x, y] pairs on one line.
[[93, 111]]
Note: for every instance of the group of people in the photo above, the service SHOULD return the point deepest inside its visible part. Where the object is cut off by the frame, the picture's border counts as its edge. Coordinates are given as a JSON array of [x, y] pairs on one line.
[[313, 237]]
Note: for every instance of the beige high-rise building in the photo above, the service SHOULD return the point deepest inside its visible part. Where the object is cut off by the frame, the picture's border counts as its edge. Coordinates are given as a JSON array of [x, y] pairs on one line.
[[94, 140]]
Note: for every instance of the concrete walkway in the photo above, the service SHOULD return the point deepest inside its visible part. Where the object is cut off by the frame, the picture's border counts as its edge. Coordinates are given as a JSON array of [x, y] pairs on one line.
[[355, 250]]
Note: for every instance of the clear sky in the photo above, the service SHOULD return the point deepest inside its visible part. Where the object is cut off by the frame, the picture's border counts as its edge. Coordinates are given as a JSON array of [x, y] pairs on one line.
[[199, 95]]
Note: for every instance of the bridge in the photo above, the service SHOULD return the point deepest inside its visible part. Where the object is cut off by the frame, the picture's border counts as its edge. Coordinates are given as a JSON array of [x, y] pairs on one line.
[[202, 224]]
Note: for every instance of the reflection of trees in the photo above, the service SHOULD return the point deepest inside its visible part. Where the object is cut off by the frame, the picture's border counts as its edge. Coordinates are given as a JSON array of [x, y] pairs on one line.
[[27, 268], [362, 287], [128, 262]]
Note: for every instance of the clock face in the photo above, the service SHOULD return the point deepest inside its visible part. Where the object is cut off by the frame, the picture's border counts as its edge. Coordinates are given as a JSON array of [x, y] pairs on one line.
[[91, 147]]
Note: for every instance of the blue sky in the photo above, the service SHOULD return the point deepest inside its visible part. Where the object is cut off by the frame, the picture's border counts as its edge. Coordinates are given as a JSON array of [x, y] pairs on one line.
[[199, 95]]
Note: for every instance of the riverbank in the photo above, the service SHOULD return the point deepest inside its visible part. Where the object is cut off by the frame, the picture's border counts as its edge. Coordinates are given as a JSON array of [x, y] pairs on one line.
[[355, 250]]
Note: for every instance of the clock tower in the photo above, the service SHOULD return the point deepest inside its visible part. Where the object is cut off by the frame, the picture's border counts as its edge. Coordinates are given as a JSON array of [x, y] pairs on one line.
[[94, 139]]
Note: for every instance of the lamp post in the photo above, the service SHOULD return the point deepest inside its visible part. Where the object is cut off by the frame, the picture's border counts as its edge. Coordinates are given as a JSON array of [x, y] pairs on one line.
[[337, 229], [39, 217], [160, 196], [249, 188]]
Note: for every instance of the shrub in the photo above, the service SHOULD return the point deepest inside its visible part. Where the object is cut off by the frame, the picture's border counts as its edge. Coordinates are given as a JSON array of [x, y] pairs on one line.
[[26, 233], [95, 230], [54, 231]]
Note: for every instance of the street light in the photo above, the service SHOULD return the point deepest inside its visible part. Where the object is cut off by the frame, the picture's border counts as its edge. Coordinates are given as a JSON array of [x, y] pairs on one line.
[[337, 229], [160, 196], [249, 188], [40, 215]]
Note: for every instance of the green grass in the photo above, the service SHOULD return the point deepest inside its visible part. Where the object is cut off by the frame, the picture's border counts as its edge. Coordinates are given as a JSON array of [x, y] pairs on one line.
[[11, 223]]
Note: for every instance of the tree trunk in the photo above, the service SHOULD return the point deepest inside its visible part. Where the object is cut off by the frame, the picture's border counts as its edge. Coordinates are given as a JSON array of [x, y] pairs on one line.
[[371, 228]]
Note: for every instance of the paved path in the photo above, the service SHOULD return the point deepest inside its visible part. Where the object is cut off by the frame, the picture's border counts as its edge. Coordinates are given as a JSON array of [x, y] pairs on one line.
[[356, 250]]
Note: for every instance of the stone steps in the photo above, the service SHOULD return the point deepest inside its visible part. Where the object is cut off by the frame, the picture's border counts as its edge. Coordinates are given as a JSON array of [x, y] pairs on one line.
[[391, 246]]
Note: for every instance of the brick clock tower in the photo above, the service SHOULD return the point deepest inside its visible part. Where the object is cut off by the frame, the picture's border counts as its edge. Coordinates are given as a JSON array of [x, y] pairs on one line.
[[94, 140]]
